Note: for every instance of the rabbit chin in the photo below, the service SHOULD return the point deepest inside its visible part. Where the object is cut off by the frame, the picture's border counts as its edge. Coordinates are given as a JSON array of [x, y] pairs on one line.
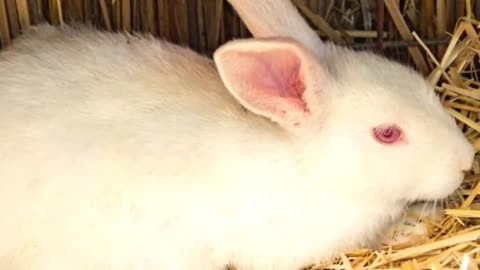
[[431, 190]]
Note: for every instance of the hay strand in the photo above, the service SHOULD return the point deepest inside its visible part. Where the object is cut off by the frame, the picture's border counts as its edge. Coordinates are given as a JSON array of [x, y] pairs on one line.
[[406, 35], [4, 30]]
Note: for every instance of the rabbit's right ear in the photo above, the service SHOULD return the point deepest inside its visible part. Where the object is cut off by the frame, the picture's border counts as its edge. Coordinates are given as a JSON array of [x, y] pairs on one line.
[[276, 18], [276, 78]]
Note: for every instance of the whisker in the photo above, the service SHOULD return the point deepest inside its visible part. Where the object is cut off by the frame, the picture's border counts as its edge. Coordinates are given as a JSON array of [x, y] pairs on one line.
[[422, 213]]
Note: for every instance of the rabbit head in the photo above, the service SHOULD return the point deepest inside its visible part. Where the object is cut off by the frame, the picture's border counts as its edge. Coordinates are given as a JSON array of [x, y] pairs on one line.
[[364, 126]]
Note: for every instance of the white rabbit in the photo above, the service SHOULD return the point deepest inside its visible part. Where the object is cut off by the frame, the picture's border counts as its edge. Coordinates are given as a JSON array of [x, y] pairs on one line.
[[131, 153], [276, 18]]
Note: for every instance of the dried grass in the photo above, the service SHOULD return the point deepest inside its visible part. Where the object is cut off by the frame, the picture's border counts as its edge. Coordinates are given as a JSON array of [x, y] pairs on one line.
[[452, 243]]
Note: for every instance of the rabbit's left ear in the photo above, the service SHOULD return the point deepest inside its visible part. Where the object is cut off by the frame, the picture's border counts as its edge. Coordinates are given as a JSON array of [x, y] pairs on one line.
[[275, 78], [276, 18]]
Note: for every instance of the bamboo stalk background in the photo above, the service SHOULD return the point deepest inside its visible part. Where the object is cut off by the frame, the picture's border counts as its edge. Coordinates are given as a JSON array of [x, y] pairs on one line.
[[205, 24]]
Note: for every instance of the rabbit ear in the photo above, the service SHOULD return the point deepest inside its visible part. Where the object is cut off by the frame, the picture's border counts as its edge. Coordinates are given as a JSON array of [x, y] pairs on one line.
[[274, 78], [276, 18]]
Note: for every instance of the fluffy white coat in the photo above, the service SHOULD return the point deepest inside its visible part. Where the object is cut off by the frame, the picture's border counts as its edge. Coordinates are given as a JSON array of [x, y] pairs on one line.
[[121, 152]]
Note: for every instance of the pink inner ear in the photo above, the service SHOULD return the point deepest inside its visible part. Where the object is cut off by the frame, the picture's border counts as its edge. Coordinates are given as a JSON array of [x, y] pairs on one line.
[[278, 74], [274, 78]]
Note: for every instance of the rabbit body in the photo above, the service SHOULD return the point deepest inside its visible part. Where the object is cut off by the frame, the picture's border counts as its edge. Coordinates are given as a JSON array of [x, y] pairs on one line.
[[122, 152]]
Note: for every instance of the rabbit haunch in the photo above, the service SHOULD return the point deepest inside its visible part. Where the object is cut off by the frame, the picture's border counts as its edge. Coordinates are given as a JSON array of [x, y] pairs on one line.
[[121, 152]]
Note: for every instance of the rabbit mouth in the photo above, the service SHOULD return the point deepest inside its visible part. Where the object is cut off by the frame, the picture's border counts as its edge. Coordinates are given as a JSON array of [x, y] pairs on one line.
[[437, 186]]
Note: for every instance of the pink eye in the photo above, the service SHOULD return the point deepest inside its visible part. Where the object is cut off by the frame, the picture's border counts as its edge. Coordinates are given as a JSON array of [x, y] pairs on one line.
[[387, 134]]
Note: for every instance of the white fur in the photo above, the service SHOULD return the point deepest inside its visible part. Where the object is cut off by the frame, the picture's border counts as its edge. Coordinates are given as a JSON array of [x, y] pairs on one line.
[[276, 18], [129, 153]]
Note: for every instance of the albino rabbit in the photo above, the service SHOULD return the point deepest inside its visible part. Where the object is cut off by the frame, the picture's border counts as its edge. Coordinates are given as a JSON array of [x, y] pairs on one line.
[[276, 18], [122, 153]]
